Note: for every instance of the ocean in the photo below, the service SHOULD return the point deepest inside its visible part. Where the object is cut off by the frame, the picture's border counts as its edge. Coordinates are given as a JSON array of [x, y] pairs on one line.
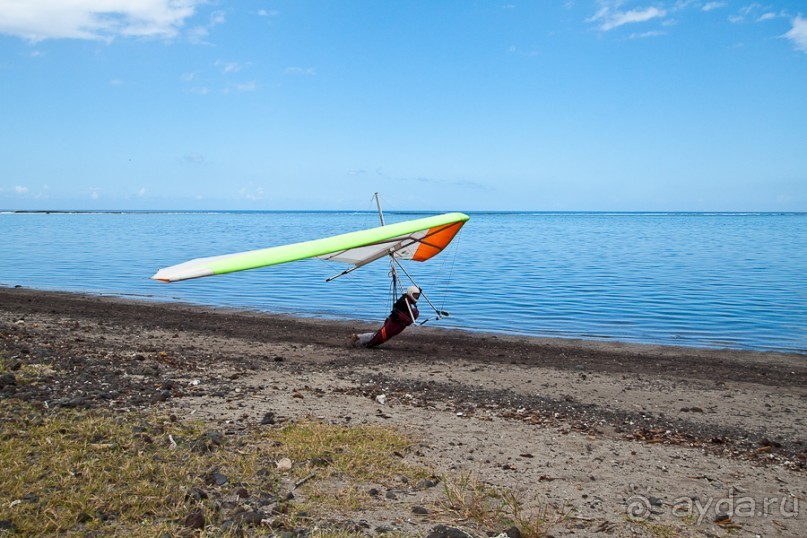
[[714, 280]]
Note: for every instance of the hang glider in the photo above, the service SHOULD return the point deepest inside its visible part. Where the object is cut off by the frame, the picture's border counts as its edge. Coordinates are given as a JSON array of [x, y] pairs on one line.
[[417, 240]]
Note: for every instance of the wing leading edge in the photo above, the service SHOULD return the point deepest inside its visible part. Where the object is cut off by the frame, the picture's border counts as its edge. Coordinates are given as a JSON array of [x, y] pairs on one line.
[[418, 240]]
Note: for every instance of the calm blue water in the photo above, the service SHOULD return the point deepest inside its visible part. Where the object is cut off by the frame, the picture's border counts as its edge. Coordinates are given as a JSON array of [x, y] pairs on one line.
[[705, 280]]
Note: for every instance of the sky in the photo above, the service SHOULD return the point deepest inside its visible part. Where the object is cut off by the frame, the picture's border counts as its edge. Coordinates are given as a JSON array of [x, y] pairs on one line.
[[600, 105]]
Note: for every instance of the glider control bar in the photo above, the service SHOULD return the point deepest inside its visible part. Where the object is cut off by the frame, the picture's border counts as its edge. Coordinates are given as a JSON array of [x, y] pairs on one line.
[[440, 313]]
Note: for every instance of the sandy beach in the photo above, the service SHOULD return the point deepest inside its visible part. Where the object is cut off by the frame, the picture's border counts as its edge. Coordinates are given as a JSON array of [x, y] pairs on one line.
[[629, 440]]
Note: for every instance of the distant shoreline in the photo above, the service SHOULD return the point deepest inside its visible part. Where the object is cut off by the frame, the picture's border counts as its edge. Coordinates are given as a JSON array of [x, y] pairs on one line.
[[392, 212]]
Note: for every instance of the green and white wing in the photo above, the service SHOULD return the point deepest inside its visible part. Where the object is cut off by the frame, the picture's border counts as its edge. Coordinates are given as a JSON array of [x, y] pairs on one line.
[[418, 240]]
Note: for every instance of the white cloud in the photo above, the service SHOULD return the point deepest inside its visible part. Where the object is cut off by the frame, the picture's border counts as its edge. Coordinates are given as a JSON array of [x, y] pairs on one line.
[[634, 15], [229, 67], [713, 5], [749, 12], [23, 191], [198, 34], [798, 34], [251, 193], [217, 18], [307, 71], [241, 87], [247, 86], [645, 35], [36, 20], [610, 15]]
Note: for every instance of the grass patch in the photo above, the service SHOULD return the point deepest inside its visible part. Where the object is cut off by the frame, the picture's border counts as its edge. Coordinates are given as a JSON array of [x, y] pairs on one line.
[[339, 463], [496, 507], [73, 472], [24, 373], [70, 471], [364, 454]]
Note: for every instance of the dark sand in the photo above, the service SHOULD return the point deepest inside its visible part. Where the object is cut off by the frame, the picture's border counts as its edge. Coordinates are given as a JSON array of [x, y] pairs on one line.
[[597, 426]]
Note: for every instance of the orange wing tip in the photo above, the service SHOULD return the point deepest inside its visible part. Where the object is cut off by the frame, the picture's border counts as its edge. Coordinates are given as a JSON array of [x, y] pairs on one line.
[[436, 240]]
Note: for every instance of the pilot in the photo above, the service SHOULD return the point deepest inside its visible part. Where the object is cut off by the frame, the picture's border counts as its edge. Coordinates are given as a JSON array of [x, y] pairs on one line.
[[404, 313]]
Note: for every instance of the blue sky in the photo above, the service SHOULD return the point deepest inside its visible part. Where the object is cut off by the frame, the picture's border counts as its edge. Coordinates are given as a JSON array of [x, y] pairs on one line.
[[457, 105]]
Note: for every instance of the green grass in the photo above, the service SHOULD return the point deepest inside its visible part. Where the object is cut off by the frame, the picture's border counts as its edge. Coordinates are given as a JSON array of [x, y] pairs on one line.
[[138, 474], [365, 454], [75, 472], [25, 373], [71, 472], [498, 507]]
